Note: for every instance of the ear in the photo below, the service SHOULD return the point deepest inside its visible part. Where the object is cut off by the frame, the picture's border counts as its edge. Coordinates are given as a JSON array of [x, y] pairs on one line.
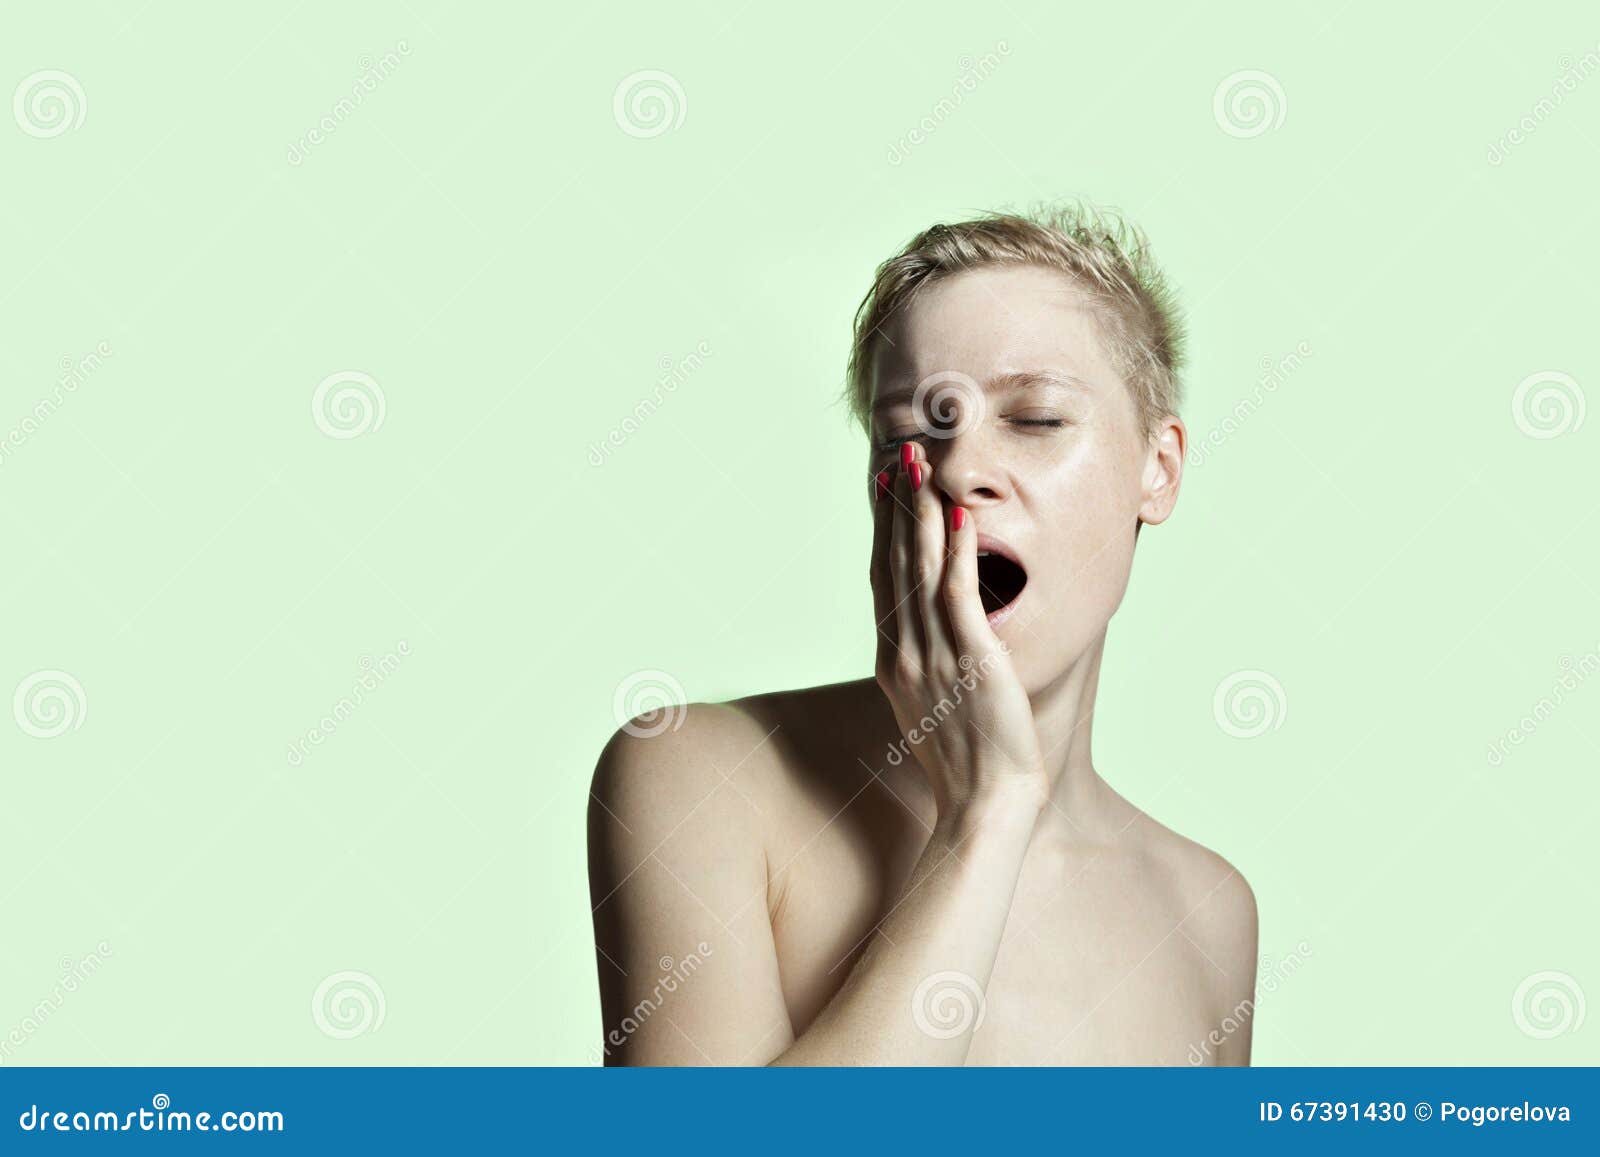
[[1163, 470]]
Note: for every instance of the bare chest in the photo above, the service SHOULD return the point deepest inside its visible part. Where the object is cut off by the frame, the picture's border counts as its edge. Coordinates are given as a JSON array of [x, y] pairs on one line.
[[1095, 966]]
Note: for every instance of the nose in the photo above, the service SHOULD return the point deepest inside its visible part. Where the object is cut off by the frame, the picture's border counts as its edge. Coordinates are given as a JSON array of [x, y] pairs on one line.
[[967, 471]]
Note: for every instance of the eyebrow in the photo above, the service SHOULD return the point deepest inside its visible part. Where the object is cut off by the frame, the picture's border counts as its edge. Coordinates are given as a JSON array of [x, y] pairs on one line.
[[1014, 379]]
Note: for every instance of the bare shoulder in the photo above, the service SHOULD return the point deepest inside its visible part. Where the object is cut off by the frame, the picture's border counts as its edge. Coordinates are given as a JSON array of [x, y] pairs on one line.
[[679, 849], [740, 761], [1217, 905], [694, 814], [660, 770]]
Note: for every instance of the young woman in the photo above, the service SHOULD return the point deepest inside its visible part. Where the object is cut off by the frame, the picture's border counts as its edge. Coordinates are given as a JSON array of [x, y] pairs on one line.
[[925, 867]]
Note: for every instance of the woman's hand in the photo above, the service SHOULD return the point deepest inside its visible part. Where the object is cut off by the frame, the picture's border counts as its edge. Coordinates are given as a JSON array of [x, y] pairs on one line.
[[964, 713]]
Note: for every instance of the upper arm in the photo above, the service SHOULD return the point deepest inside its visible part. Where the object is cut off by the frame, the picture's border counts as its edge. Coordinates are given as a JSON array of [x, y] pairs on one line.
[[677, 876], [1225, 926]]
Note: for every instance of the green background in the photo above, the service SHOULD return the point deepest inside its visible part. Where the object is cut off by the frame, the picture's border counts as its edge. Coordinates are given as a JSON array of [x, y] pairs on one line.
[[1381, 534]]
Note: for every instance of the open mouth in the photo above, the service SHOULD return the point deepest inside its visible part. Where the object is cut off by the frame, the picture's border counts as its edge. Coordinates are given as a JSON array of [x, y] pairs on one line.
[[1000, 577]]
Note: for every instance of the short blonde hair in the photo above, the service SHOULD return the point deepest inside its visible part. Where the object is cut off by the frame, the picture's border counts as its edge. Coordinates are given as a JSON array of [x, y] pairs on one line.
[[1107, 257]]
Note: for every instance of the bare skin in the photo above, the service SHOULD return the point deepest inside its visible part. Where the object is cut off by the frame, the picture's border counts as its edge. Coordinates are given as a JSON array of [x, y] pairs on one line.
[[925, 867]]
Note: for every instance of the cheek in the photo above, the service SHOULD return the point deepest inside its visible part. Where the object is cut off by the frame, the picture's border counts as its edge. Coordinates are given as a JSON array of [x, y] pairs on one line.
[[1091, 562], [1087, 526], [1088, 499]]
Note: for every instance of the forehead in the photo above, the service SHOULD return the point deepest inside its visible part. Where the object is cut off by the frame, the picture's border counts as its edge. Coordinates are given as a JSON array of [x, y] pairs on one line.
[[992, 321]]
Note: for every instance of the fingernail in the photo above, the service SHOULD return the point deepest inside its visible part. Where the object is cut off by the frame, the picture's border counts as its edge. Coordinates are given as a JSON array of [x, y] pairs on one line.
[[958, 518], [907, 453], [883, 483], [916, 476]]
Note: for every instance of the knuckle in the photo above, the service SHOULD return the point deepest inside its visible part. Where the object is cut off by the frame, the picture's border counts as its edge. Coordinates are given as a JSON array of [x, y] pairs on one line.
[[958, 589], [905, 671]]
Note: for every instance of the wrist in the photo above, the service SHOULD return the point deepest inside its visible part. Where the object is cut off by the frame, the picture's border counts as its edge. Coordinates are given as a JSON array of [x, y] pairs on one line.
[[1008, 809]]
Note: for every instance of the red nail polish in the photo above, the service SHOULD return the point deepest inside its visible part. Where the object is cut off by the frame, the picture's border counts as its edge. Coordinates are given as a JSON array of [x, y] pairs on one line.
[[916, 476], [907, 453], [958, 518], [883, 483]]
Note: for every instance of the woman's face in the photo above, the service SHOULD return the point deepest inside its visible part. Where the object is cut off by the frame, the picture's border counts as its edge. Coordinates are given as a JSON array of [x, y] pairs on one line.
[[1002, 375]]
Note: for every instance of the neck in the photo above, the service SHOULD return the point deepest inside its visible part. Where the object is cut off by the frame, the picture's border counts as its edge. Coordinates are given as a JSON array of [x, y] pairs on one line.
[[1063, 715]]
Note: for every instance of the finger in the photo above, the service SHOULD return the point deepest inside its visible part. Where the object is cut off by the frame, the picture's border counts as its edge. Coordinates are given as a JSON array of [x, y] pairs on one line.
[[902, 548], [963, 605], [883, 610], [928, 562]]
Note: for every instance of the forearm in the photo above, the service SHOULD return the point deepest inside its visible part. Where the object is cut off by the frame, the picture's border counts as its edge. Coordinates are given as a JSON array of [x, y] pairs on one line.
[[949, 919]]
